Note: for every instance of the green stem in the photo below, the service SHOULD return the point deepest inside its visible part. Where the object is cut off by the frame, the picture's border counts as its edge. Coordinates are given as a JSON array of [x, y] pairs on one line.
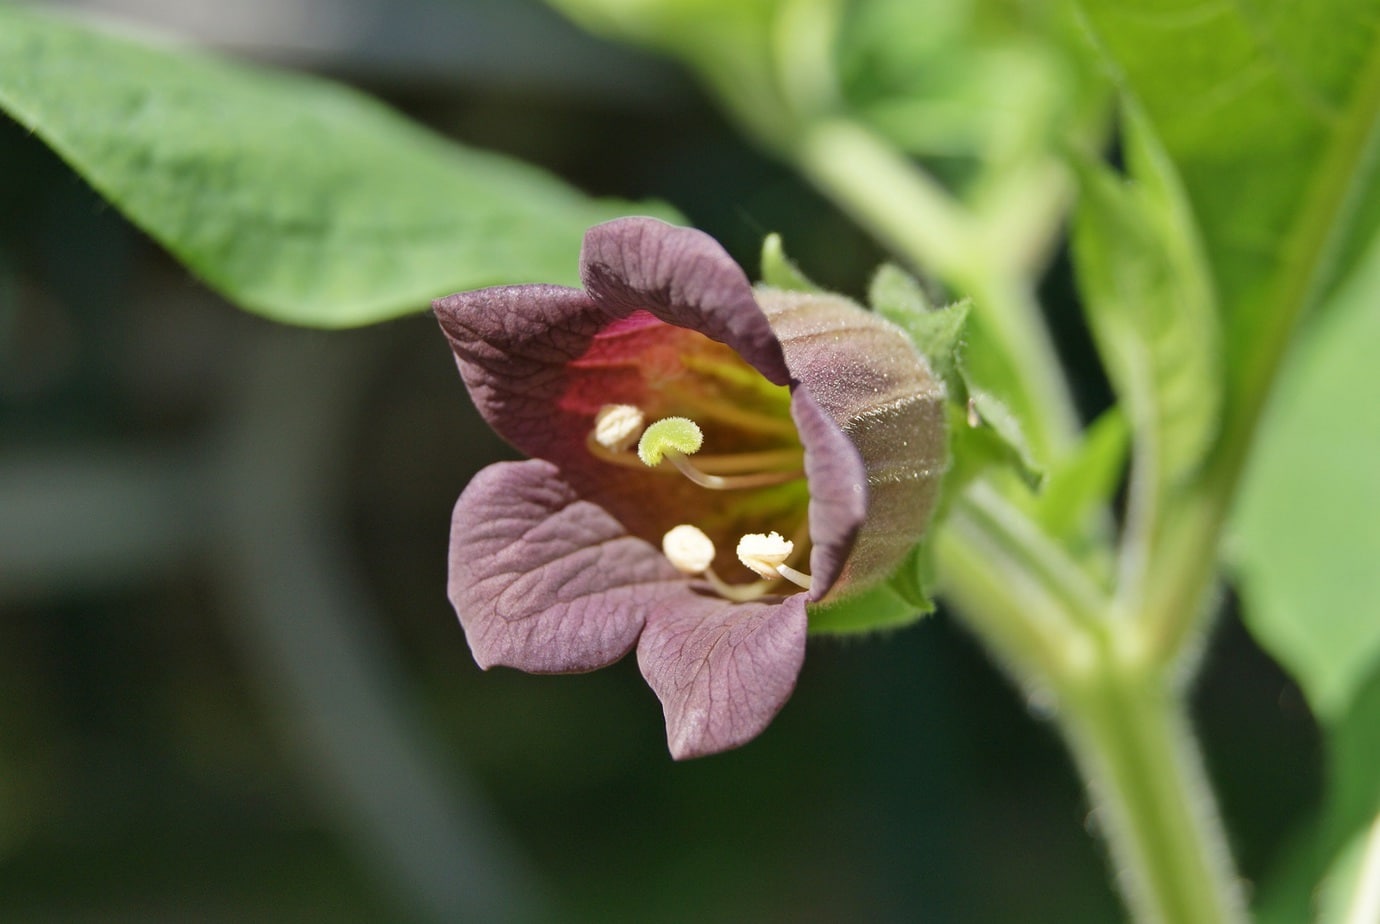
[[885, 191], [1020, 622], [1114, 699], [1132, 742], [1076, 593]]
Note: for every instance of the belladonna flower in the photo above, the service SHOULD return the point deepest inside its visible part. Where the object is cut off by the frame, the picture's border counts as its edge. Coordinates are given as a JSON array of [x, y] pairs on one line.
[[706, 461]]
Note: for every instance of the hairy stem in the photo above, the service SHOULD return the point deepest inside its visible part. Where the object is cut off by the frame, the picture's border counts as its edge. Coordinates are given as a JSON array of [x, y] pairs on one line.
[[1152, 802], [1115, 700]]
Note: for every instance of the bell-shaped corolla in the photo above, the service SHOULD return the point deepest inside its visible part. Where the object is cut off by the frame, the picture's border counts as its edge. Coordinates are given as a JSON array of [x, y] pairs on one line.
[[706, 462]]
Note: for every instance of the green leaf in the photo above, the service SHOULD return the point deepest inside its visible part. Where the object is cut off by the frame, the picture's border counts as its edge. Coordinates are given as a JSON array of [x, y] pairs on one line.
[[987, 430], [779, 271], [731, 45], [299, 199], [1350, 891], [1353, 756], [1270, 109], [1322, 864], [1150, 305], [1080, 486], [1305, 538]]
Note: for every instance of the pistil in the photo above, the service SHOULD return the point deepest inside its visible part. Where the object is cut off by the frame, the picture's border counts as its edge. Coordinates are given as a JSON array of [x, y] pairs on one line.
[[674, 438]]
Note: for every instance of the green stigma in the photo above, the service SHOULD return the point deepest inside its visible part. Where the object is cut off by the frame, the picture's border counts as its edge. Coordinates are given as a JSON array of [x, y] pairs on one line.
[[671, 434]]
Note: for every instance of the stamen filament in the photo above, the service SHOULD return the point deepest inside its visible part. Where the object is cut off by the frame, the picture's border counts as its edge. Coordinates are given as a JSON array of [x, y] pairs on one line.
[[705, 407], [738, 593], [728, 482], [799, 578]]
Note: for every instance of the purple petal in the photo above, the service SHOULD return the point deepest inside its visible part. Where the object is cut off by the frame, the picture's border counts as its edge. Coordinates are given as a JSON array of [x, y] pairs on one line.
[[513, 345], [721, 670], [838, 491], [866, 376], [545, 581], [683, 277]]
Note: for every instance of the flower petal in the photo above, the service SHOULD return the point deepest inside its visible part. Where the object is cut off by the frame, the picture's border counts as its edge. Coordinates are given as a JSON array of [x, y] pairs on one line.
[[513, 345], [545, 581], [685, 278], [721, 670], [866, 376], [838, 491]]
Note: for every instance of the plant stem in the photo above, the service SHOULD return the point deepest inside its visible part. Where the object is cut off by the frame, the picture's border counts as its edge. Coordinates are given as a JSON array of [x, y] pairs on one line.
[[1115, 700], [1019, 621], [1131, 739], [907, 210]]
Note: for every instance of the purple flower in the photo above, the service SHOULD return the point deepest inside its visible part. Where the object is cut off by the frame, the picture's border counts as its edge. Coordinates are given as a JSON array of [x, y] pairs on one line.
[[674, 417]]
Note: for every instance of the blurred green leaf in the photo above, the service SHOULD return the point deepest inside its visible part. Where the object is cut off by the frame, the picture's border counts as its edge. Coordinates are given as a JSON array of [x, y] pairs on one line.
[[1150, 305], [1270, 110], [1350, 890], [730, 44], [1319, 871], [1354, 764], [1081, 486], [953, 78], [1305, 539], [298, 199], [680, 24]]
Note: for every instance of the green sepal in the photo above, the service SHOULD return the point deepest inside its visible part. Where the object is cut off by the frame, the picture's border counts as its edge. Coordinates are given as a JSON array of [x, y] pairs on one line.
[[891, 604], [779, 271], [938, 333], [983, 430]]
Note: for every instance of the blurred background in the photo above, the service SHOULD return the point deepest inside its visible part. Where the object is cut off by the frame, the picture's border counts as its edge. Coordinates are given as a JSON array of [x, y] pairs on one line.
[[231, 687]]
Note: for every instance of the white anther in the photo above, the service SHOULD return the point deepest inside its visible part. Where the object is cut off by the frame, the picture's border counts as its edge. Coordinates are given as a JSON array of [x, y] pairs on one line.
[[765, 554], [617, 426], [688, 549]]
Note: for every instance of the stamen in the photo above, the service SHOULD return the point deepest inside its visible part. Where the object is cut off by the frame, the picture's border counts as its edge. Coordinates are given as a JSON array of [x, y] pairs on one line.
[[688, 549], [762, 553], [691, 552], [766, 555], [617, 426]]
